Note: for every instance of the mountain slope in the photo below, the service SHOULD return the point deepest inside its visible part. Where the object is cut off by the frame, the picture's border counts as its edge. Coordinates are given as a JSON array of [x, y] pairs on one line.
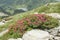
[[9, 6], [9, 3], [49, 8]]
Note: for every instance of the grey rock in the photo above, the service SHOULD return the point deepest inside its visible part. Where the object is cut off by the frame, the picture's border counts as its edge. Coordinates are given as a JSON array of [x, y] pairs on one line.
[[55, 15], [36, 34], [15, 39], [57, 38]]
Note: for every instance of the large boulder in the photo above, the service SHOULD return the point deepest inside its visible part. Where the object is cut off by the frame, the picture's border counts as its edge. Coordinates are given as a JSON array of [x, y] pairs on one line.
[[36, 35], [15, 39]]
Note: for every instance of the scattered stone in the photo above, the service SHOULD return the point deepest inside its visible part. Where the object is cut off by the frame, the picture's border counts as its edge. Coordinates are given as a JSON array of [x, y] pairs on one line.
[[19, 38], [11, 39], [55, 15], [1, 23], [51, 37], [57, 38], [15, 39], [36, 35], [36, 13], [54, 33], [3, 32]]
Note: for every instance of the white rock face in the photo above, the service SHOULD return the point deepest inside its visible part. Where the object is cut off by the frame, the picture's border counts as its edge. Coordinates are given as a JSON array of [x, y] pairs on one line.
[[1, 23], [15, 39], [55, 15], [3, 32], [11, 39], [36, 13], [19, 38], [36, 35]]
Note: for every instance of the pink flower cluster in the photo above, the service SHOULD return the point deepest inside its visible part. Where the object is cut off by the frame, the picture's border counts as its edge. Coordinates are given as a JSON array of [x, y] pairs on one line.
[[31, 20]]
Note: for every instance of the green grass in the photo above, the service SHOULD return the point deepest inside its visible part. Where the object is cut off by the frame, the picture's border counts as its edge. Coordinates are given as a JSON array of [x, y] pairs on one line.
[[50, 8]]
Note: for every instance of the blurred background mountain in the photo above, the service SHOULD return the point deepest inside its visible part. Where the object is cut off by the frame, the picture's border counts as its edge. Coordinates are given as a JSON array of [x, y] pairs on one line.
[[11, 7]]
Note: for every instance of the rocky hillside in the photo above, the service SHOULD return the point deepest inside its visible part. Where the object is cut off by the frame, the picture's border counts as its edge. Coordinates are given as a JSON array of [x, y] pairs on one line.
[[48, 8]]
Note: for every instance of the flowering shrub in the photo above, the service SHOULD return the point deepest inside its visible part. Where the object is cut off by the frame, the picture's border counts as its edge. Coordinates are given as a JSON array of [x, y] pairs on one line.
[[34, 21]]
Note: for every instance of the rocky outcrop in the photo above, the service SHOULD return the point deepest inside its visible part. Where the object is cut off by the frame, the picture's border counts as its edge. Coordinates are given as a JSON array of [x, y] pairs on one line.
[[3, 32], [55, 15], [15, 39], [54, 33], [36, 34]]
